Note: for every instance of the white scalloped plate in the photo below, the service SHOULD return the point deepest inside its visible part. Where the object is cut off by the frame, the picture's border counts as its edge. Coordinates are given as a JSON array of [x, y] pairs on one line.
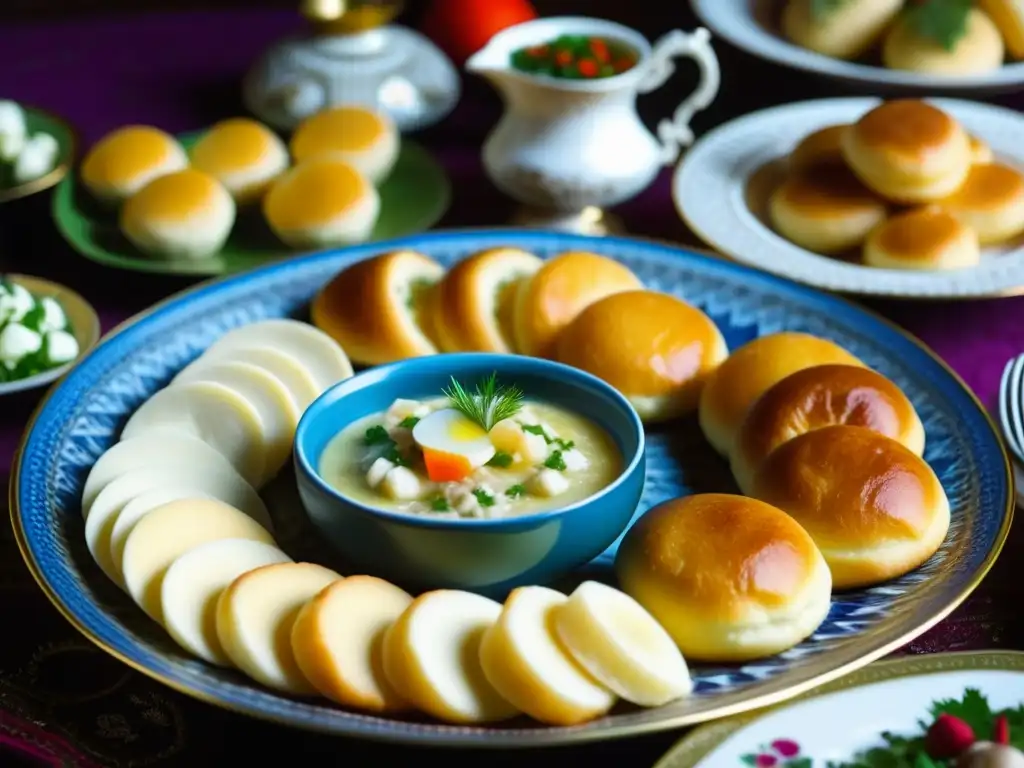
[[712, 185], [751, 25]]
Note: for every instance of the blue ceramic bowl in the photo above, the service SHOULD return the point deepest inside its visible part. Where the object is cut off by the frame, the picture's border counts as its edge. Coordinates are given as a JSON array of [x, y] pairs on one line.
[[486, 556]]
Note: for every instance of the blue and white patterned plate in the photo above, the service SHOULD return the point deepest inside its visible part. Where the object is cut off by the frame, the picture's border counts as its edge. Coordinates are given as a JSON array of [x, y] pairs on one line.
[[83, 414]]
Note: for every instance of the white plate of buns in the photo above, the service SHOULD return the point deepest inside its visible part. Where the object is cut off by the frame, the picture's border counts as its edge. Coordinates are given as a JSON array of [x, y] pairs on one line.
[[871, 43], [905, 198]]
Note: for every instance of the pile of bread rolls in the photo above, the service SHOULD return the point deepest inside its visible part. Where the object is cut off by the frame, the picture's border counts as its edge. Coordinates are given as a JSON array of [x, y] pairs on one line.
[[579, 308], [905, 184], [851, 29], [178, 204]]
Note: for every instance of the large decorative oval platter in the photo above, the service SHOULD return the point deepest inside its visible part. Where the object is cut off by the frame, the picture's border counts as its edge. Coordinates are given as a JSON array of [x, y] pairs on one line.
[[82, 416]]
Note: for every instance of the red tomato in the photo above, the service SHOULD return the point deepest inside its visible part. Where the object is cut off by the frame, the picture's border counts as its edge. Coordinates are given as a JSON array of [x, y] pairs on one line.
[[463, 27]]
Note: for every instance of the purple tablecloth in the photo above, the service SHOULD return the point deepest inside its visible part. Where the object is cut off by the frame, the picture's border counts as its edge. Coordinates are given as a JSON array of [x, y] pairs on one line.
[[181, 72]]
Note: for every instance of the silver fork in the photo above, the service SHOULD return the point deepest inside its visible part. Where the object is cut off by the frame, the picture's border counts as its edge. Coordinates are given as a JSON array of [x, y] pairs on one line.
[[1011, 406]]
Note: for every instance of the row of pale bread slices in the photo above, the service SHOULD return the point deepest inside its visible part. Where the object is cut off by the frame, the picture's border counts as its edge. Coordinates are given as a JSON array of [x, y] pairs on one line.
[[579, 308]]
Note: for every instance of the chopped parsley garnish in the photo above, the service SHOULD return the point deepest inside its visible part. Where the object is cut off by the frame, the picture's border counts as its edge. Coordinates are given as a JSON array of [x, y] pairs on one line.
[[485, 499], [488, 405], [565, 445], [555, 461], [392, 454], [33, 319], [377, 435], [537, 429], [501, 459], [515, 491], [409, 422], [439, 504]]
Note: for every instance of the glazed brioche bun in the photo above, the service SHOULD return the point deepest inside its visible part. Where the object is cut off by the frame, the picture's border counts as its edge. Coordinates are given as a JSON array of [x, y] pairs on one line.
[[750, 371], [182, 215], [655, 349], [562, 288], [875, 508], [981, 152], [125, 160], [321, 202], [366, 139], [923, 238], [908, 151], [818, 397], [730, 578], [1008, 16], [991, 202], [844, 32], [474, 303], [979, 50], [823, 147], [243, 155], [373, 308], [825, 209]]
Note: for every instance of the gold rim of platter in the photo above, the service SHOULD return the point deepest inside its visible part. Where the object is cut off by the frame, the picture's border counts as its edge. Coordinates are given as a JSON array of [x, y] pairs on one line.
[[54, 177], [583, 735], [712, 249], [702, 741]]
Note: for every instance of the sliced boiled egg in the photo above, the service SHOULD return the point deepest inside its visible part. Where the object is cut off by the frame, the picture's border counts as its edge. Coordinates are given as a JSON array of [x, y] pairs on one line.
[[453, 445]]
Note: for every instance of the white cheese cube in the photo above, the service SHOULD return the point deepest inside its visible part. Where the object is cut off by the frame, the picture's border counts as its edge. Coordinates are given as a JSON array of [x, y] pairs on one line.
[[534, 449], [402, 409], [37, 158], [375, 474], [548, 483], [16, 303], [16, 341], [12, 130], [61, 347], [401, 484], [575, 460], [54, 318]]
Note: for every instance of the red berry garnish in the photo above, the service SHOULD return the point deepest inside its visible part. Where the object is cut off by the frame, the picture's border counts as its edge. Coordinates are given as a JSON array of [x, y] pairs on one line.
[[948, 737], [766, 761], [786, 748], [1001, 732]]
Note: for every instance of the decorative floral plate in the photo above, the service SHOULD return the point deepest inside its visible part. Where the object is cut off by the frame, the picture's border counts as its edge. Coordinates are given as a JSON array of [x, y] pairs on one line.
[[414, 197], [843, 723], [721, 190], [84, 413], [753, 26]]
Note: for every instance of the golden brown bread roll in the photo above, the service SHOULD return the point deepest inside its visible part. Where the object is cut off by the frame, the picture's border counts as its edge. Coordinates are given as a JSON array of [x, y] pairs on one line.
[[981, 152], [655, 349], [243, 155], [474, 303], [922, 238], [979, 50], [127, 159], [908, 151], [1008, 16], [874, 507], [561, 289], [823, 147], [991, 202], [825, 209], [730, 578], [817, 397], [375, 308], [843, 30], [749, 371]]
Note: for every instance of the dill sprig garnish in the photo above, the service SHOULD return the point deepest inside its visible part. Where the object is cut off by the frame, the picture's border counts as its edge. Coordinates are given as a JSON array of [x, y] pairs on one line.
[[488, 405]]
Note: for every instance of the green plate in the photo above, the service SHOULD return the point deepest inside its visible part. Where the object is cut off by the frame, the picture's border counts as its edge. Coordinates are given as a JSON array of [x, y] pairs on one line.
[[413, 198], [37, 120]]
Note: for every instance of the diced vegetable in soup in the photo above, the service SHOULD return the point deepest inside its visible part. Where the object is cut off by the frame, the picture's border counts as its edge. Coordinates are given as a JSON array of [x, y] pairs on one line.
[[489, 454]]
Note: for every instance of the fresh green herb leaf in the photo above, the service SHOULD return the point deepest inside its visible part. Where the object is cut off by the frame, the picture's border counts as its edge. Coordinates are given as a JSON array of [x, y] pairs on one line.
[[515, 491], [33, 319], [485, 499], [488, 405], [392, 454], [555, 461], [973, 709], [944, 21], [501, 459], [537, 429], [822, 8], [439, 504], [377, 435], [409, 422], [565, 445]]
